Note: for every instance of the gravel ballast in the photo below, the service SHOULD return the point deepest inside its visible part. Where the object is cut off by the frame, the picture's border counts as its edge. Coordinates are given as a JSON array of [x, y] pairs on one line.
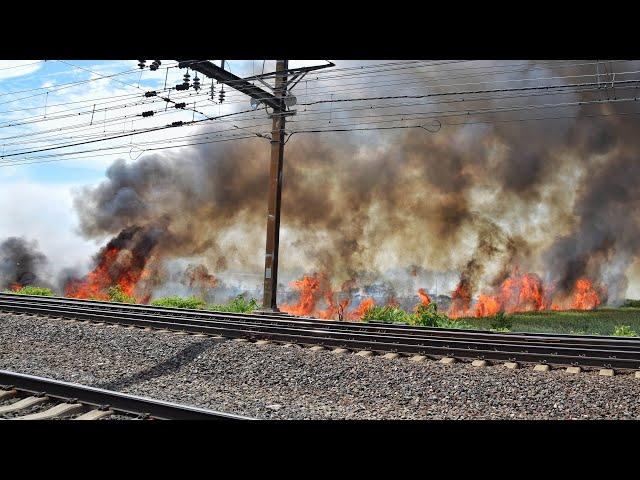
[[275, 382]]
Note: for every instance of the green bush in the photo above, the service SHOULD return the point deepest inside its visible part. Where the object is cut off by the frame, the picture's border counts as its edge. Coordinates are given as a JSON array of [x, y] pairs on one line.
[[29, 290], [427, 316], [451, 323], [237, 305], [501, 322], [624, 331], [629, 303], [116, 294], [179, 302], [386, 314]]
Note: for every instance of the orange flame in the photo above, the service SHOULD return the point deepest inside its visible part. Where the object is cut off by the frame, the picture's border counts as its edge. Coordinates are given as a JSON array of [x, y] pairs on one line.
[[312, 288], [308, 287], [523, 292], [487, 306], [585, 296], [424, 297], [97, 282], [460, 300], [333, 310], [518, 293], [364, 306]]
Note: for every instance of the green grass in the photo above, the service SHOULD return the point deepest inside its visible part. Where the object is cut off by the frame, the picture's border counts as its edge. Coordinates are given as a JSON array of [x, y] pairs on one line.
[[602, 321], [116, 294], [426, 316], [179, 302], [502, 322], [386, 314], [631, 303], [624, 331], [238, 305], [29, 290]]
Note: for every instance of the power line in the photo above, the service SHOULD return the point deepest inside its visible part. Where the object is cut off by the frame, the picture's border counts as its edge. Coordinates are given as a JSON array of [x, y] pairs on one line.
[[151, 129], [23, 65], [26, 162]]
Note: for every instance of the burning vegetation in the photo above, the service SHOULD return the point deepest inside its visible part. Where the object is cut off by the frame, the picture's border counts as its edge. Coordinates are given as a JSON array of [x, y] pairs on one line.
[[525, 292], [542, 218], [313, 290], [121, 263]]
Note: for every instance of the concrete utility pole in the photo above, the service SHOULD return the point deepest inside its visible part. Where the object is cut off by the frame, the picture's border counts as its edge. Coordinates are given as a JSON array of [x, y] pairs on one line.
[[280, 102], [275, 193]]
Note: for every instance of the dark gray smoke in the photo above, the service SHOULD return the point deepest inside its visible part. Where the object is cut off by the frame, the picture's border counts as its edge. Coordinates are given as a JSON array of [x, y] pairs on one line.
[[21, 264]]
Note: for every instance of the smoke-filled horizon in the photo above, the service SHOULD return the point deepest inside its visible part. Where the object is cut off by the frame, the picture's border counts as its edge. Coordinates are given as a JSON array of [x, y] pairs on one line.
[[556, 198]]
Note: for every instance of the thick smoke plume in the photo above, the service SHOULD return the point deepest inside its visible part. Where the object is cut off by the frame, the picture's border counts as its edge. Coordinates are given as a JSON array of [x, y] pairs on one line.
[[495, 201], [21, 264]]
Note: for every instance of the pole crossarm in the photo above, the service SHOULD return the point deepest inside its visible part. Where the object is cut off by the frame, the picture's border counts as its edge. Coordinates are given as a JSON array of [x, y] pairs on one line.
[[297, 73], [213, 71]]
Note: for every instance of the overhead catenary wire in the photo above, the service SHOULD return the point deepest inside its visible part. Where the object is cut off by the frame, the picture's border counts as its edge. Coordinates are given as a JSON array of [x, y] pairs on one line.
[[28, 162], [22, 65], [150, 129], [411, 115], [312, 118], [37, 118], [307, 83], [561, 87]]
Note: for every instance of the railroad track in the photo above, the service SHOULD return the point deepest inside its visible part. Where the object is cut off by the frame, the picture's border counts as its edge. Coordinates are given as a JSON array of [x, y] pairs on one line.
[[26, 397], [590, 351]]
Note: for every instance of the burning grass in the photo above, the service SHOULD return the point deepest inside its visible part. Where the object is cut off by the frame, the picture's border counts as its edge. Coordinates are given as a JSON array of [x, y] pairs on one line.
[[525, 292]]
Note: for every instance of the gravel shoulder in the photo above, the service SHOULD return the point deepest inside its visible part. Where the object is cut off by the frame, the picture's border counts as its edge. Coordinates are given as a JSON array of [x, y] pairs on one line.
[[274, 382]]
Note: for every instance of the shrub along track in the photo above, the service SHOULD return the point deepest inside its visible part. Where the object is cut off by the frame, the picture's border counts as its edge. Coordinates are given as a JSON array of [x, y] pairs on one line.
[[602, 352]]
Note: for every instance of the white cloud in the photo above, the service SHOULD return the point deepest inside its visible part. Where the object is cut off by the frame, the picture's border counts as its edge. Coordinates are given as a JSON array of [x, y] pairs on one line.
[[44, 213], [18, 68]]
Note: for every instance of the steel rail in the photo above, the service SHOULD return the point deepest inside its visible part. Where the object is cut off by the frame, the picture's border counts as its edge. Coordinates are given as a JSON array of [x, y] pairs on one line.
[[247, 320], [506, 347], [376, 327], [116, 401]]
